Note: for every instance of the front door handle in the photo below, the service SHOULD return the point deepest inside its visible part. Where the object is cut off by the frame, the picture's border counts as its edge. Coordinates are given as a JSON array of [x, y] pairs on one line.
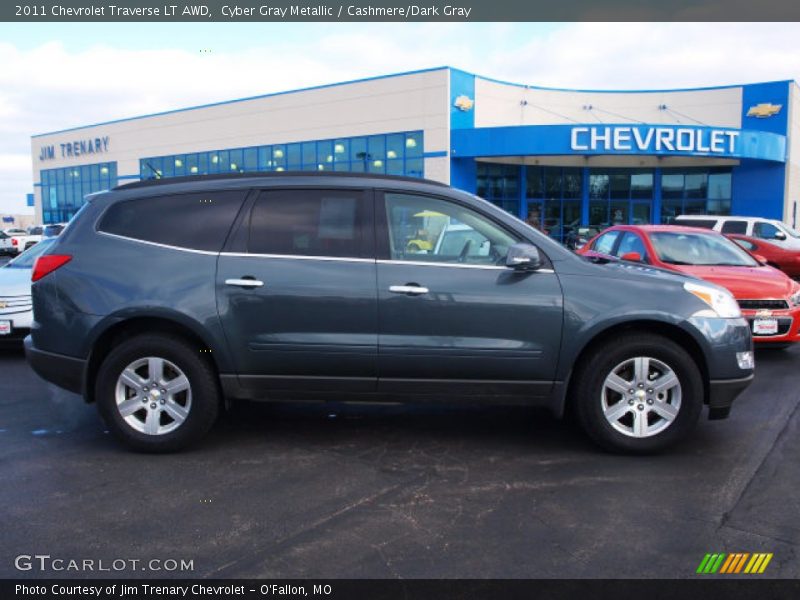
[[245, 282], [410, 289]]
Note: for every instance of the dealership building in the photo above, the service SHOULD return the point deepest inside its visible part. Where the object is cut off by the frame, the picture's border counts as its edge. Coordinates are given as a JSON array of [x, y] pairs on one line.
[[560, 158]]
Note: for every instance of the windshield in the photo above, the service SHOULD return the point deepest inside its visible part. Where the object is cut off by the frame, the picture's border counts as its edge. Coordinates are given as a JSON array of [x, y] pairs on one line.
[[678, 248], [27, 258], [788, 230]]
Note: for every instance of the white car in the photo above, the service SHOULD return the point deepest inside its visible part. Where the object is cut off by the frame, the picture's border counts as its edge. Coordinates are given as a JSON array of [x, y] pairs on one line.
[[16, 310], [769, 230], [20, 240], [5, 243]]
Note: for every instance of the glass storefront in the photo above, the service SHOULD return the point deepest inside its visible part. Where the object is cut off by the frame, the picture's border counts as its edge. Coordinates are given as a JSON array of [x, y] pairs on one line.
[[560, 200], [695, 192], [553, 200], [63, 190], [619, 196]]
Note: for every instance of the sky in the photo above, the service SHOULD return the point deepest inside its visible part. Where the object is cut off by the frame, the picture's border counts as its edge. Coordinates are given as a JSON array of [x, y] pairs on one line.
[[57, 76]]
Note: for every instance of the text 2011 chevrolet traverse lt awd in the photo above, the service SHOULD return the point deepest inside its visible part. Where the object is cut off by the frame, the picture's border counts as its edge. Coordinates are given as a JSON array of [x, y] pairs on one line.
[[163, 299]]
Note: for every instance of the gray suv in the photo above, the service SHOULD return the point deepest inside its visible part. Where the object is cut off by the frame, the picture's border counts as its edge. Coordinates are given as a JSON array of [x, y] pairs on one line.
[[164, 300]]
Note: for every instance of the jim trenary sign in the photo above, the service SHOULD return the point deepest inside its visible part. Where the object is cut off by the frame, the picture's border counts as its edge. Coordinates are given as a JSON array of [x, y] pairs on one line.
[[647, 140]]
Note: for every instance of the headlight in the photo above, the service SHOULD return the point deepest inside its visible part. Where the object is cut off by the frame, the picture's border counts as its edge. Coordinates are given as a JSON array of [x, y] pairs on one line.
[[794, 299], [720, 301]]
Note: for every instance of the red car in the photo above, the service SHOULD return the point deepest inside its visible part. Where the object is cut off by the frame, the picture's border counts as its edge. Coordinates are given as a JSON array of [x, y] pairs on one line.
[[768, 298], [787, 261]]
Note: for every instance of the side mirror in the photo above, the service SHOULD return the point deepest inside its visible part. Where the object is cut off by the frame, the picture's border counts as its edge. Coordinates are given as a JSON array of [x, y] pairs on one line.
[[523, 257], [632, 257], [779, 235]]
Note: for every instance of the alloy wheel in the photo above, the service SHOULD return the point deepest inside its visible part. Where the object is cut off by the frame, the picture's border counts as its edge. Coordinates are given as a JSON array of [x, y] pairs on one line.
[[641, 397], [153, 395]]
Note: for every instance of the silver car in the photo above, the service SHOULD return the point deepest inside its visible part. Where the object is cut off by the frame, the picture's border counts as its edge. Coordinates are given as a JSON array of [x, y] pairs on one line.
[[16, 312]]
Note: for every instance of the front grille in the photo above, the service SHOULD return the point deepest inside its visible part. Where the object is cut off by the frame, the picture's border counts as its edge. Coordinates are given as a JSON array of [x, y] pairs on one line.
[[14, 304], [763, 304]]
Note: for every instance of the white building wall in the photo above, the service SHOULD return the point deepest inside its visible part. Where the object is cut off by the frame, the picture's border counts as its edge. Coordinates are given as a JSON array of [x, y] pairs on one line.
[[792, 189], [501, 104], [417, 101]]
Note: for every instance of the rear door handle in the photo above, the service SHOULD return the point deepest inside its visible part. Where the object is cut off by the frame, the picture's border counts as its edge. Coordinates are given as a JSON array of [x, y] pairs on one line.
[[245, 282], [411, 290]]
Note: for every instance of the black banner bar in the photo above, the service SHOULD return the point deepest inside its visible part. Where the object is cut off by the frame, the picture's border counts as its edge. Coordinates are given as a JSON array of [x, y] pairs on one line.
[[732, 588], [398, 10]]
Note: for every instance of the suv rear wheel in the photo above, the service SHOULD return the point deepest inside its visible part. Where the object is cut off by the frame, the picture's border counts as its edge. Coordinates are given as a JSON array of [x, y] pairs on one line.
[[156, 393], [638, 394]]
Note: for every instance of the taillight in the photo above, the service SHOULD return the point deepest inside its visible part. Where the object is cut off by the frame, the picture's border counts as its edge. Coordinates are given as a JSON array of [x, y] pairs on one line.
[[47, 264], [14, 242]]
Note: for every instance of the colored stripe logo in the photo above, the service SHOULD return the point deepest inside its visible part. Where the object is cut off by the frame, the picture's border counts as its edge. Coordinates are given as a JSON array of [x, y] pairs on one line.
[[735, 563]]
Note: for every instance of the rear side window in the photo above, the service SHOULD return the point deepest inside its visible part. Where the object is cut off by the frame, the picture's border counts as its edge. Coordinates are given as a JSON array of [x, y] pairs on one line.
[[310, 223], [605, 243], [194, 221], [739, 227], [702, 223]]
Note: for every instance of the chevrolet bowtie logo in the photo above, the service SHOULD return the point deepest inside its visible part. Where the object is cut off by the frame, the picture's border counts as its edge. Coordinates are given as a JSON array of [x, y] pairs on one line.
[[464, 103], [764, 110], [3, 305]]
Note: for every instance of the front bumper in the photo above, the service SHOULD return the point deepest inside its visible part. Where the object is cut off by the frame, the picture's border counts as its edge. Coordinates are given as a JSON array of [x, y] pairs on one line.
[[788, 326], [64, 371], [722, 393]]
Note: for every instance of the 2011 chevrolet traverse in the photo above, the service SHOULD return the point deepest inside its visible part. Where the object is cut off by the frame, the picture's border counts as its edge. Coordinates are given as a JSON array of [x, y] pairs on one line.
[[163, 299]]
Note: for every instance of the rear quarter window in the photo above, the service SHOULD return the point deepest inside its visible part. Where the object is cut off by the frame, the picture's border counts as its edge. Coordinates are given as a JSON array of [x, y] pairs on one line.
[[197, 221], [701, 223]]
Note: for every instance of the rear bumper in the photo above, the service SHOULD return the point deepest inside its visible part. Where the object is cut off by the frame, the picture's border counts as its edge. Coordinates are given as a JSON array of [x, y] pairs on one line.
[[722, 393], [64, 371]]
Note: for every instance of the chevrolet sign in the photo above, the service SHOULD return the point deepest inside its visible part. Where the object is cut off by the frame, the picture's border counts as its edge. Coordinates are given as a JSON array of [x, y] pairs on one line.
[[653, 139], [764, 110]]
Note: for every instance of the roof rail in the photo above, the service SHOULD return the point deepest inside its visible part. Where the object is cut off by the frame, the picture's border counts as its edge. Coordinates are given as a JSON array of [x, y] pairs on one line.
[[270, 174]]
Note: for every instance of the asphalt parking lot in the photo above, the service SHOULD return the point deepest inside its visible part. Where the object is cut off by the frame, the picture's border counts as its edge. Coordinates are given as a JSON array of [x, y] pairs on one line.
[[407, 492]]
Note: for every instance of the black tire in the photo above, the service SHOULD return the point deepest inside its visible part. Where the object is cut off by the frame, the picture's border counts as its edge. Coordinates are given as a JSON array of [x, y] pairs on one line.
[[203, 382], [591, 375]]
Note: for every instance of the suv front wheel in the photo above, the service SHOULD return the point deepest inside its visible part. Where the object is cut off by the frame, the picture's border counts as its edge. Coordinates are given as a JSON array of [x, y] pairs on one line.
[[156, 393], [638, 394]]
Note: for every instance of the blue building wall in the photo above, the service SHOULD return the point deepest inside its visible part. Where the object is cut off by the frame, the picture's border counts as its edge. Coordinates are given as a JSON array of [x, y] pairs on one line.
[[759, 186], [757, 183]]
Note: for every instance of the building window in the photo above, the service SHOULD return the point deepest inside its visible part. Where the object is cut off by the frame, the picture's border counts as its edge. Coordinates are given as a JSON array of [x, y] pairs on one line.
[[499, 184], [553, 196], [64, 190], [393, 154], [620, 196], [695, 192]]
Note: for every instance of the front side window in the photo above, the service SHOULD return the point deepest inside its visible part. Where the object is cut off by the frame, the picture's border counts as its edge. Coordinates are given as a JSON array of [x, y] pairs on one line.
[[326, 223], [765, 231], [198, 221], [433, 230], [631, 243]]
